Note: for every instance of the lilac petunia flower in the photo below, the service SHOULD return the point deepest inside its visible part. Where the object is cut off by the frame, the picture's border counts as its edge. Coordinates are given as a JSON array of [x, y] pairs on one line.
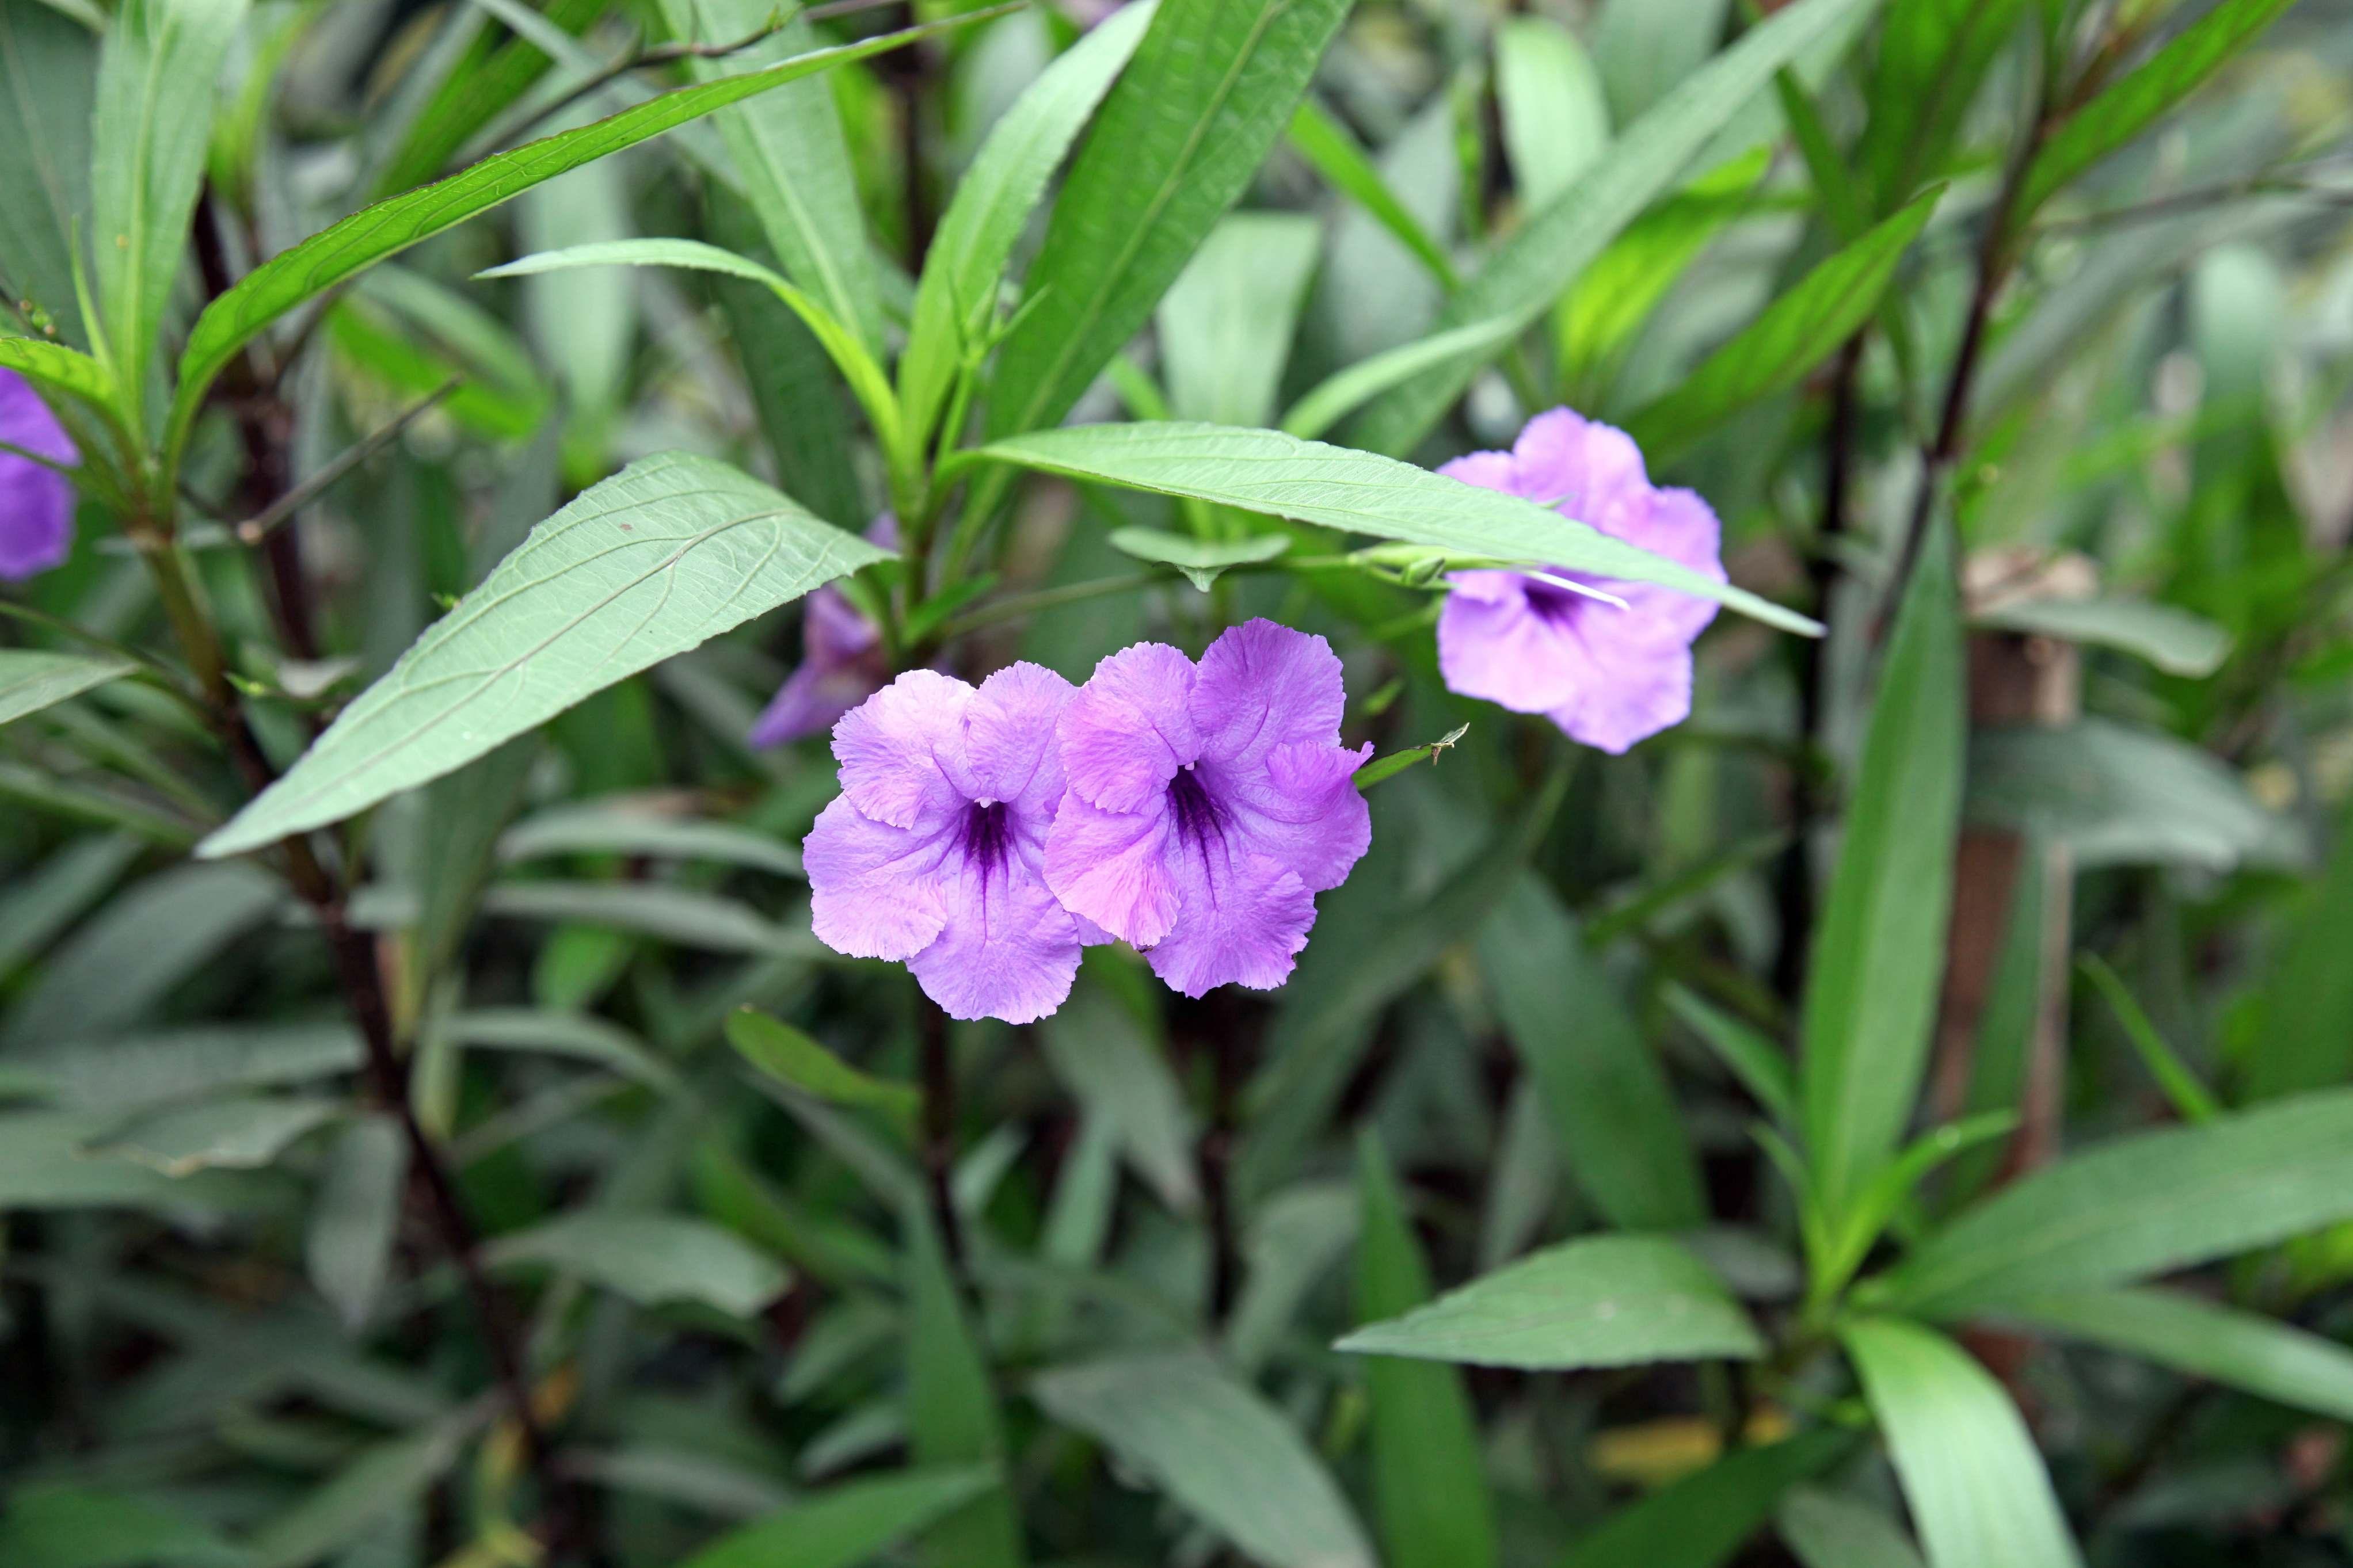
[[1208, 805], [933, 853], [842, 661], [1608, 676], [36, 503]]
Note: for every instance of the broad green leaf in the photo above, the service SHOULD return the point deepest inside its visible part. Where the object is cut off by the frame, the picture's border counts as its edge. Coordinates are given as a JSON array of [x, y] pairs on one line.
[[795, 1060], [1177, 140], [158, 69], [1217, 1448], [44, 1165], [1702, 1519], [289, 278], [643, 827], [792, 163], [1932, 57], [1597, 317], [1546, 254], [1605, 1089], [245, 1132], [2116, 794], [673, 549], [1104, 1056], [1880, 951], [358, 1498], [651, 1258], [581, 1036], [347, 1245], [1429, 1486], [1343, 392], [2306, 1040], [31, 681], [952, 1415], [1604, 1301], [1357, 492], [2127, 107], [848, 1524], [1201, 560], [1803, 326], [48, 69], [2269, 1358], [1226, 324], [1831, 1530], [661, 910], [956, 301], [1556, 118], [2145, 1204], [56, 1524], [1979, 1494], [2172, 639], [1316, 134]]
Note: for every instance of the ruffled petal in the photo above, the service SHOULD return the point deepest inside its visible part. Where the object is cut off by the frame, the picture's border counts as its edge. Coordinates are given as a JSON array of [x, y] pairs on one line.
[[1633, 690], [1581, 468], [1111, 867], [1302, 811], [1008, 950], [1010, 748], [1262, 686], [1242, 921], [1488, 470], [1494, 645], [874, 890], [891, 748], [1130, 728]]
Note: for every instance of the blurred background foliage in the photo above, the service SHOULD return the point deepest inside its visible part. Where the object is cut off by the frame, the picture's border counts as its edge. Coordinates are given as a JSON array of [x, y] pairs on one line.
[[1556, 1005]]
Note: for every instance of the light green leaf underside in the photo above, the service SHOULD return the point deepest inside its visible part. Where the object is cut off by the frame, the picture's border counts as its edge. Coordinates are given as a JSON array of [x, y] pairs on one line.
[[31, 681], [2174, 641], [672, 551]]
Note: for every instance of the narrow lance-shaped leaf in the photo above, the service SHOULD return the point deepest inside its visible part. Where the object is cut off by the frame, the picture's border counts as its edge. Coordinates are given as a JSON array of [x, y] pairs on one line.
[[952, 1415], [31, 681], [2307, 1039], [391, 225], [1357, 493], [673, 549], [1556, 120], [1882, 943], [848, 1524], [651, 1258], [1546, 253], [2272, 1360], [1979, 1492], [1933, 55], [1797, 332], [1178, 141], [48, 79], [1318, 136], [1701, 1521]]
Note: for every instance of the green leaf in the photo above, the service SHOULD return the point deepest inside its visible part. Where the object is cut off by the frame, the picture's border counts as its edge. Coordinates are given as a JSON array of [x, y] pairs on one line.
[[1545, 255], [1201, 560], [43, 900], [2192, 1101], [2013, 1017], [1343, 392], [1933, 55], [2126, 107], [1643, 48], [358, 1498], [58, 1525], [59, 368], [673, 549], [1215, 1447], [1832, 1529], [2142, 1205], [1098, 1050], [1804, 325], [642, 828], [2306, 1040], [1979, 1492], [1555, 119], [1702, 1519], [1177, 142], [347, 1246], [245, 1132], [792, 163], [1880, 951], [391, 225], [2115, 795], [651, 1258], [43, 1166], [1760, 1064], [952, 1415], [956, 301], [1357, 493], [1395, 763], [1605, 1089], [31, 681], [48, 69], [150, 1068], [1604, 1301], [1429, 1486], [795, 1060], [2271, 1360], [1316, 134], [1226, 324], [661, 910], [157, 71], [479, 84], [580, 1037], [2174, 641], [848, 1524]]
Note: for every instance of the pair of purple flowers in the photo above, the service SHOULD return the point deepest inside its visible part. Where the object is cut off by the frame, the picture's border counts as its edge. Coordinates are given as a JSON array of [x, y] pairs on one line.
[[983, 837], [37, 502]]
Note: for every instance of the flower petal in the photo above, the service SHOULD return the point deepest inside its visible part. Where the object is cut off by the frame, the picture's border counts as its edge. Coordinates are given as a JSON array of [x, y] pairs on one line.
[[1111, 867], [1302, 811], [874, 890], [1633, 691], [891, 748], [36, 503], [1582, 469], [1008, 950], [1492, 643], [1130, 728], [1262, 686], [1009, 747], [1242, 920]]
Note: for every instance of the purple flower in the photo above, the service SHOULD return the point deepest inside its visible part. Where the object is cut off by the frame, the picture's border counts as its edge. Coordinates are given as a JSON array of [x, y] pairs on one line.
[[1608, 676], [934, 852], [36, 503], [842, 661], [1208, 805]]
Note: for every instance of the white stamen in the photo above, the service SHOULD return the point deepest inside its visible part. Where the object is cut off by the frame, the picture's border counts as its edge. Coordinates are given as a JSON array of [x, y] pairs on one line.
[[1587, 589]]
